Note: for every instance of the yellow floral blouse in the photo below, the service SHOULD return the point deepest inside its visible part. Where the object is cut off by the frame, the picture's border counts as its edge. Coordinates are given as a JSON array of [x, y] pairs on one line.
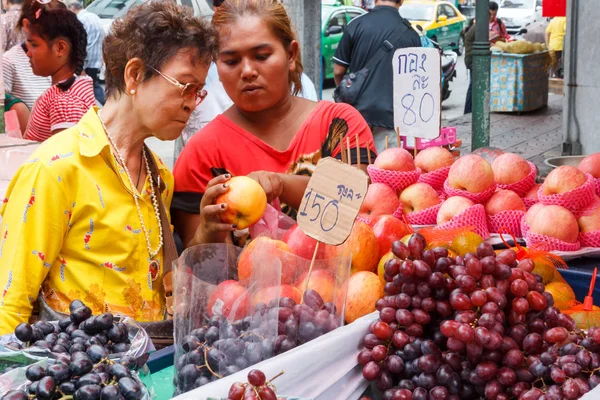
[[70, 230]]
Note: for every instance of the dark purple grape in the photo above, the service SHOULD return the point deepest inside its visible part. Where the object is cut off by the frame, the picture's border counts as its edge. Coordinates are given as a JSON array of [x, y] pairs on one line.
[[130, 389], [46, 388], [35, 373]]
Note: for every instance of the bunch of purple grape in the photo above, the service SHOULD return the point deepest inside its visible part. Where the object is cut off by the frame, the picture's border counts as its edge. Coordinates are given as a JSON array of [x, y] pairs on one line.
[[77, 332], [81, 368], [478, 326], [221, 347]]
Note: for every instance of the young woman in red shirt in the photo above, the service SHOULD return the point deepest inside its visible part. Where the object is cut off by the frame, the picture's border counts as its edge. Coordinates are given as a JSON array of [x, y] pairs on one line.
[[268, 134]]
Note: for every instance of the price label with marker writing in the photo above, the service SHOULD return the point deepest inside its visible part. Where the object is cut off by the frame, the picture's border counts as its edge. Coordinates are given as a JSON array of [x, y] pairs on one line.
[[331, 201]]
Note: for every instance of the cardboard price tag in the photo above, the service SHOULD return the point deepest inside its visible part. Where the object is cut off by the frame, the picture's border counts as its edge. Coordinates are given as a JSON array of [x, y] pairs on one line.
[[331, 201], [417, 92]]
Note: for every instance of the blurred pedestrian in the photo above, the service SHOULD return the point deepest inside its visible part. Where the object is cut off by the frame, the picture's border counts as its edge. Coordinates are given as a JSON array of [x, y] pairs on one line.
[[497, 32], [95, 35], [368, 43], [555, 36], [8, 21], [56, 43]]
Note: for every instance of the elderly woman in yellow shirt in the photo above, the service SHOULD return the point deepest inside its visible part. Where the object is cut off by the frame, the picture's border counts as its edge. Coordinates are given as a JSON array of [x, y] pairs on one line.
[[82, 218]]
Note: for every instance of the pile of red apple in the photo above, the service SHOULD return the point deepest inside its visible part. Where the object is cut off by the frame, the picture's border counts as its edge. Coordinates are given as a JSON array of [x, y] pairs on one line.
[[506, 189]]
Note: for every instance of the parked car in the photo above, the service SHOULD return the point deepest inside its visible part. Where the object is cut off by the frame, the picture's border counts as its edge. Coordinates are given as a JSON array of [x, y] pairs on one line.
[[441, 21], [519, 14], [109, 10], [334, 20]]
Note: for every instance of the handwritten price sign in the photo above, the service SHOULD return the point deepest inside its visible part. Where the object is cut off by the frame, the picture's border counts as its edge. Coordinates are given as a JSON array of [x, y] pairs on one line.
[[417, 92], [331, 201]]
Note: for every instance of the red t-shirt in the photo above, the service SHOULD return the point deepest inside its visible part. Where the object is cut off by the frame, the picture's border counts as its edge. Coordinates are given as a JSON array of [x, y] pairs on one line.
[[223, 147]]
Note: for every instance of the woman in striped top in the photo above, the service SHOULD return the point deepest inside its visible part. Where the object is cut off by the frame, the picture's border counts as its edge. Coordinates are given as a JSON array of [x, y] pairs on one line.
[[56, 44]]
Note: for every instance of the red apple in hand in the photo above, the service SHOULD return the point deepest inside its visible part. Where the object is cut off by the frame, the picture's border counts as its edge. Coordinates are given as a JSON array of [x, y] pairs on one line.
[[300, 244], [504, 200], [246, 202], [388, 229], [471, 173], [556, 222], [433, 158], [379, 200], [395, 159], [563, 179], [418, 197], [510, 168], [591, 165], [452, 207]]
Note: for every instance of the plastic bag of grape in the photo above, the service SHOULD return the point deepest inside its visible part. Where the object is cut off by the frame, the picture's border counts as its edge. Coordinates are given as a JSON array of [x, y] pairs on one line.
[[13, 366], [234, 308]]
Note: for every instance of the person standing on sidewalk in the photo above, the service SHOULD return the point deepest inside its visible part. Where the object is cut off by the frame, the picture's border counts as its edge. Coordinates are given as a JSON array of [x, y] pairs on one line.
[[95, 35], [8, 20], [555, 36], [383, 29]]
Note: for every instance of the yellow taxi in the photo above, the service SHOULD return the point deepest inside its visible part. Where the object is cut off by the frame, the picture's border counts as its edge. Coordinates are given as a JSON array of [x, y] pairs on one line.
[[441, 21]]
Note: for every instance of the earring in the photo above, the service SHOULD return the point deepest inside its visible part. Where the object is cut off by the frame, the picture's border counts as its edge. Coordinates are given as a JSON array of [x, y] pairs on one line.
[[132, 92]]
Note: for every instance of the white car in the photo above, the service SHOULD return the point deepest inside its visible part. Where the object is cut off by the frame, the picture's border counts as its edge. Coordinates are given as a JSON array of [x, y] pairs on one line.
[[109, 10], [517, 14]]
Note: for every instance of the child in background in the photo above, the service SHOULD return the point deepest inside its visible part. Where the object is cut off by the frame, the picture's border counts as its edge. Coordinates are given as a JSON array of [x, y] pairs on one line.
[[56, 46]]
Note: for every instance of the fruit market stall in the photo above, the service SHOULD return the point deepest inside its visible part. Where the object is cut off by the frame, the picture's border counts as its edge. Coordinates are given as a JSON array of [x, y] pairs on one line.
[[438, 280]]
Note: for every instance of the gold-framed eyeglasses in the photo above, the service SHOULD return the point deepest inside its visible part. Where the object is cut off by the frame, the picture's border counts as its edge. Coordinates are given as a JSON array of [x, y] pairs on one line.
[[188, 90]]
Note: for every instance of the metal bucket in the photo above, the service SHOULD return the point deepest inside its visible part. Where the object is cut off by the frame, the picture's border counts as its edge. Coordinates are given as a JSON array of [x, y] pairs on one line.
[[564, 160]]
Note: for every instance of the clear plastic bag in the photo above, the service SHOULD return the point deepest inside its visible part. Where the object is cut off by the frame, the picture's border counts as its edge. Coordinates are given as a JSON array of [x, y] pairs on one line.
[[273, 224], [234, 308]]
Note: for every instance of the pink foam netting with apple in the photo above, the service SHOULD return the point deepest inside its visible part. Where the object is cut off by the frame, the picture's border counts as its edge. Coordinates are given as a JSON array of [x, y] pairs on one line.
[[436, 178], [427, 216], [573, 200], [508, 221], [590, 239], [365, 220], [524, 227], [548, 243], [522, 187], [598, 186], [473, 216], [480, 198], [529, 202], [397, 180]]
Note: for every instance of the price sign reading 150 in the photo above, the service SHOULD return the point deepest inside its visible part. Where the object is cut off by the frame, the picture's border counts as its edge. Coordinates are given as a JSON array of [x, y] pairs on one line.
[[324, 210], [331, 201]]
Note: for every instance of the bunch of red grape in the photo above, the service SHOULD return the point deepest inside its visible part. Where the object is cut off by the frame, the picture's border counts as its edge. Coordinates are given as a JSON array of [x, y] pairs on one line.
[[478, 326], [257, 388], [222, 348], [81, 366]]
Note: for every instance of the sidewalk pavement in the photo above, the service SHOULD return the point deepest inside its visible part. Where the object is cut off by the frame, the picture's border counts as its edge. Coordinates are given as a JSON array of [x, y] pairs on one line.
[[535, 135]]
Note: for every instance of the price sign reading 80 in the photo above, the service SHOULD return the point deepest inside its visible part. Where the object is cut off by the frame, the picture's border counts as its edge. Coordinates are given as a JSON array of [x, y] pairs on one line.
[[331, 201], [417, 92]]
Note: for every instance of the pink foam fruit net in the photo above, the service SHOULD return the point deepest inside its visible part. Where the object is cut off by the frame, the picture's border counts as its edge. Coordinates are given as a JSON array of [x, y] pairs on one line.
[[473, 216], [547, 243], [522, 187], [573, 200], [397, 180], [436, 178], [480, 197], [508, 221]]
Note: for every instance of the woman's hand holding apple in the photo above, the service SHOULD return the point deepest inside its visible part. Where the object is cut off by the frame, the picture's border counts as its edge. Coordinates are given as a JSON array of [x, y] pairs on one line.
[[271, 182], [212, 229]]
